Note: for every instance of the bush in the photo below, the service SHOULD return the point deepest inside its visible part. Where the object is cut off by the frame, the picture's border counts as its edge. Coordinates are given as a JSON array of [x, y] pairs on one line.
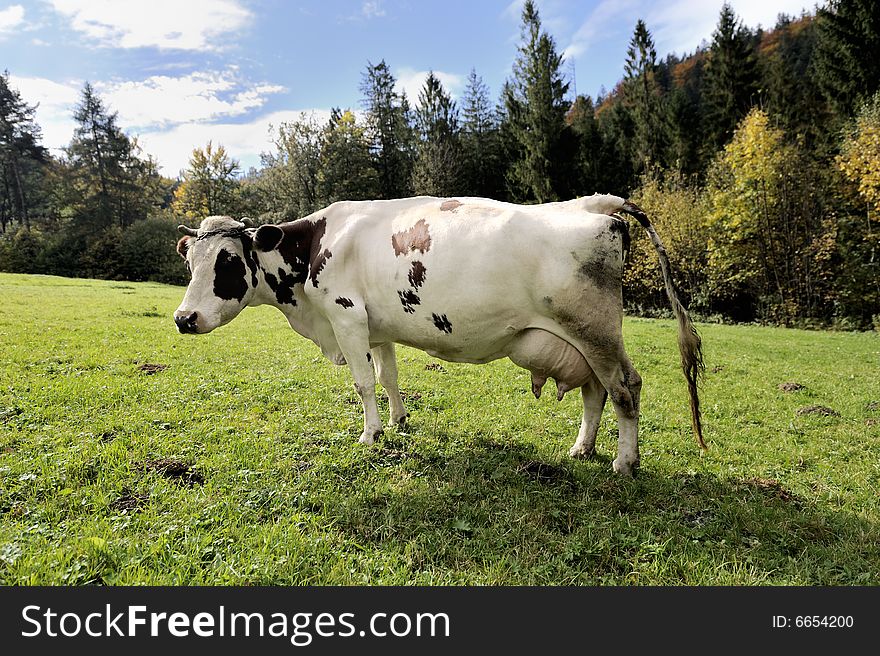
[[147, 252], [22, 253]]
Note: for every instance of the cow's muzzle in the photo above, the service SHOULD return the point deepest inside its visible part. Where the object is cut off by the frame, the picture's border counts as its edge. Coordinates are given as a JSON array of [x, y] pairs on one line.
[[186, 322]]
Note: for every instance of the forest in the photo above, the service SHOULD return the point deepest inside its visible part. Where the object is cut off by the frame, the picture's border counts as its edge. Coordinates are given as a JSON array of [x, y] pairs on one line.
[[757, 157]]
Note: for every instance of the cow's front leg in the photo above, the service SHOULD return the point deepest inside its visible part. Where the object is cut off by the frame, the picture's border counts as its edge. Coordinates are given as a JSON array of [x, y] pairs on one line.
[[593, 396], [386, 370], [353, 337]]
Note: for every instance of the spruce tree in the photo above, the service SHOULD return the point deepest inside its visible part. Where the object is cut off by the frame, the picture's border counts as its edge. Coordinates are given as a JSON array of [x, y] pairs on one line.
[[482, 175], [731, 78], [22, 158], [643, 97], [345, 171], [535, 107], [847, 66], [110, 182], [388, 129], [437, 168]]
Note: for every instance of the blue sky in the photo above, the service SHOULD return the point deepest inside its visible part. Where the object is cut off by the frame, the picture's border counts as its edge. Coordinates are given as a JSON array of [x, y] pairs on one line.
[[182, 72]]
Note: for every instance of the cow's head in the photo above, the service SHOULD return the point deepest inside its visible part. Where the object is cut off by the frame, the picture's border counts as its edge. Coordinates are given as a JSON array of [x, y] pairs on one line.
[[223, 269]]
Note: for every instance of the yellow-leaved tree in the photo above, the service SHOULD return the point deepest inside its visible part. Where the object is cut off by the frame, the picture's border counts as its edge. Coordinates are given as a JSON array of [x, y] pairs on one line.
[[859, 161], [766, 228]]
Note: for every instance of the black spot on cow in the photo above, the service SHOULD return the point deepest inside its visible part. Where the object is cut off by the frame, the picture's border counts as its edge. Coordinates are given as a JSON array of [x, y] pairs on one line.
[[295, 248], [250, 257], [417, 274], [229, 276], [317, 256], [286, 281], [281, 285], [369, 358], [442, 323], [317, 264], [346, 303], [408, 299]]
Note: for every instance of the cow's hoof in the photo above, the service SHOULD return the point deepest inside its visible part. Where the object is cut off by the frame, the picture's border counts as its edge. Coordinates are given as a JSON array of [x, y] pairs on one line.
[[627, 469], [400, 422], [369, 438], [581, 453]]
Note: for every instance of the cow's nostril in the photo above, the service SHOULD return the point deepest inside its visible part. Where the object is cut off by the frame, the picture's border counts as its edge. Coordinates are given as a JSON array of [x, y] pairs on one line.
[[186, 324]]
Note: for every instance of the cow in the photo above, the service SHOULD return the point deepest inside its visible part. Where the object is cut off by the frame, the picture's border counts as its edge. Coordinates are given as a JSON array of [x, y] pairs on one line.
[[463, 279]]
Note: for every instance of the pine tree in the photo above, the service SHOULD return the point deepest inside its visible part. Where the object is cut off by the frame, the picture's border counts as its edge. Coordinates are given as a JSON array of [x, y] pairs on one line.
[[482, 174], [535, 108], [22, 158], [731, 78], [588, 162], [643, 97], [847, 66], [110, 183], [437, 168], [388, 129]]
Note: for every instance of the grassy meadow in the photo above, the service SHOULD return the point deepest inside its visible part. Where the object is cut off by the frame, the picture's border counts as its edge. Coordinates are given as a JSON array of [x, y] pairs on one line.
[[130, 454]]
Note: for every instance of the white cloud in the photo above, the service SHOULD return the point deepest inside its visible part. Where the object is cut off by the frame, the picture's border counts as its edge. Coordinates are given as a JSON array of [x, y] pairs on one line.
[[243, 141], [164, 24], [608, 14], [161, 100], [411, 81], [372, 9], [55, 109], [10, 19], [171, 116]]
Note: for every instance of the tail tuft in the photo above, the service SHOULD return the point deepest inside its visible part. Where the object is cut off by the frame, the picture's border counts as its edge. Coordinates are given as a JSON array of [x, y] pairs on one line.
[[690, 345]]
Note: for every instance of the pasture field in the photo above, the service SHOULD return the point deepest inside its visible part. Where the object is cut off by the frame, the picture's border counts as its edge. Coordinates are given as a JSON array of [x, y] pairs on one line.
[[130, 454]]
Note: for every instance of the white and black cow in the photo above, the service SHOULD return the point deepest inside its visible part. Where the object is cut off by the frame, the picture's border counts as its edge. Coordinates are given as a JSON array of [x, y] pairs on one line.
[[466, 280]]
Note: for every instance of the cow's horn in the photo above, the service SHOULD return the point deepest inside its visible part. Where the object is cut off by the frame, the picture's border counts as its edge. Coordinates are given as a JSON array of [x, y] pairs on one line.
[[188, 231]]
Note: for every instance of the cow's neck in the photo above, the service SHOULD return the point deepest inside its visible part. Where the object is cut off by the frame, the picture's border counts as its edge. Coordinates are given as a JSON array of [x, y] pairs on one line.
[[283, 272]]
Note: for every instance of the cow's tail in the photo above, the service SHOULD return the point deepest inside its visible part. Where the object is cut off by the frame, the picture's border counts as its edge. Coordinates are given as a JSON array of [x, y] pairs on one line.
[[689, 343]]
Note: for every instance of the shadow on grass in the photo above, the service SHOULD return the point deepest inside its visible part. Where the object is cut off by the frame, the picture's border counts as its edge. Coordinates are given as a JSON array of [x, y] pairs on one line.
[[498, 513]]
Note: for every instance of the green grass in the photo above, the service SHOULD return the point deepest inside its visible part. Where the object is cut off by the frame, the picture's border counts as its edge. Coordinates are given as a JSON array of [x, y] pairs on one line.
[[478, 490]]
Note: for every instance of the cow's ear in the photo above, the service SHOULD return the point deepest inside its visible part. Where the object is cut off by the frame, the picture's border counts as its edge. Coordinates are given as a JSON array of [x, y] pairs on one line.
[[183, 246], [268, 237]]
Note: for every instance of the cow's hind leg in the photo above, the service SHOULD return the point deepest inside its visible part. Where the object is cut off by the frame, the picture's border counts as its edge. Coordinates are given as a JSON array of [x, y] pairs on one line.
[[352, 333], [624, 386], [386, 370], [593, 396]]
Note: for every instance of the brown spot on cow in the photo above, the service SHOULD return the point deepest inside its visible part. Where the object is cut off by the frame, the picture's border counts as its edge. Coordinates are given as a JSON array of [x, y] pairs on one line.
[[450, 205], [417, 274], [344, 302], [416, 238], [408, 299]]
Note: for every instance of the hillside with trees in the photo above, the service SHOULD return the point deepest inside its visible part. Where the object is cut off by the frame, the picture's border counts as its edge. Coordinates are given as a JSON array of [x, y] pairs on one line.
[[757, 157]]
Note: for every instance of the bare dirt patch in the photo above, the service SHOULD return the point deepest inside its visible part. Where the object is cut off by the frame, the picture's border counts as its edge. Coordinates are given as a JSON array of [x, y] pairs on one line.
[[791, 387], [772, 488], [822, 410], [129, 502], [545, 473], [434, 366], [173, 470], [150, 368]]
